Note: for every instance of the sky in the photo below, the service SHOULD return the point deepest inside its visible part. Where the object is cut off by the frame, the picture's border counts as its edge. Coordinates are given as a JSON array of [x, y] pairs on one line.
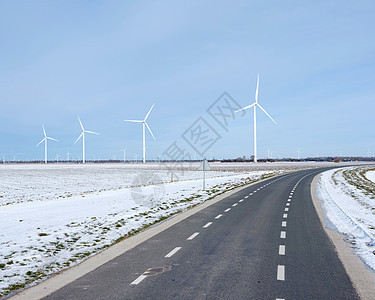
[[107, 61]]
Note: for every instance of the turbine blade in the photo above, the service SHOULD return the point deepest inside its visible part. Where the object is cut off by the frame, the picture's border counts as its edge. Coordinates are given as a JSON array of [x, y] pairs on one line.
[[149, 112], [79, 137], [92, 132], [257, 90], [40, 142], [44, 131], [80, 123], [266, 113], [135, 121], [52, 139], [246, 107], [149, 129]]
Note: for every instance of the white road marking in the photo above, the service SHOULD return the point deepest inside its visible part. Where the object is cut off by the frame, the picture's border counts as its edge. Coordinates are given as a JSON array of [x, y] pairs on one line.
[[285, 216], [280, 299], [289, 200], [250, 194], [283, 234], [139, 279], [208, 224], [283, 223], [192, 236], [287, 204], [173, 252], [218, 216], [280, 272], [282, 250], [240, 200], [246, 197], [290, 196], [235, 204], [228, 209], [286, 209]]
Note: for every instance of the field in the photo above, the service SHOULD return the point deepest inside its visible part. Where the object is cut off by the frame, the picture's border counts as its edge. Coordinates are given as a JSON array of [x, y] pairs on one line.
[[348, 196], [54, 216]]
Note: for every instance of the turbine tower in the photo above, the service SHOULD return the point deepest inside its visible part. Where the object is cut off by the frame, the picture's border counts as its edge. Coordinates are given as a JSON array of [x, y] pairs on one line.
[[83, 139], [144, 123], [254, 105], [45, 143]]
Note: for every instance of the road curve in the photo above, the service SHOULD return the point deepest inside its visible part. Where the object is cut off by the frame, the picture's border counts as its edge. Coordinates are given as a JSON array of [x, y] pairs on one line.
[[263, 242]]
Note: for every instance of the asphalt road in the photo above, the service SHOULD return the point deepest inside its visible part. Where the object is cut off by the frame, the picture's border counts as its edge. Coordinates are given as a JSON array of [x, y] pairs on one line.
[[263, 242]]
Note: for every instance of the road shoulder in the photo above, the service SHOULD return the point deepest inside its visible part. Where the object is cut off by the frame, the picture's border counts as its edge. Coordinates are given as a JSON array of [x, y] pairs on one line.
[[361, 276]]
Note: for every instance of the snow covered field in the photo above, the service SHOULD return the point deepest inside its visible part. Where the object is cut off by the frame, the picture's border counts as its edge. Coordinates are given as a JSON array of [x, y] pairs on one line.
[[348, 196], [54, 216], [370, 175]]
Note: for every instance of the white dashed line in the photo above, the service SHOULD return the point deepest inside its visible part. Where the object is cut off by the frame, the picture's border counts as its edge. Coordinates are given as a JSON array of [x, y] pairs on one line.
[[235, 204], [285, 216], [208, 224], [240, 200], [192, 236], [289, 200], [280, 272], [173, 252], [282, 250], [228, 209], [139, 279], [287, 204], [286, 209], [280, 299], [218, 216], [246, 197], [250, 194], [283, 223], [290, 196], [283, 234]]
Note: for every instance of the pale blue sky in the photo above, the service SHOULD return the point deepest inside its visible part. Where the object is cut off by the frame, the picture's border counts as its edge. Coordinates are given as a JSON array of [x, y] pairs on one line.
[[107, 61]]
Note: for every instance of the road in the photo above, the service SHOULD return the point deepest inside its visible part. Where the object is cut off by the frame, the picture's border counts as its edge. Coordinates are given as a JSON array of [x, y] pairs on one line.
[[263, 242]]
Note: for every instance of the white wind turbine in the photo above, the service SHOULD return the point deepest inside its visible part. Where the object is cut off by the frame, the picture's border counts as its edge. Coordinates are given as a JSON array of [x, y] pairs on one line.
[[124, 150], [45, 143], [83, 138], [255, 104], [144, 123]]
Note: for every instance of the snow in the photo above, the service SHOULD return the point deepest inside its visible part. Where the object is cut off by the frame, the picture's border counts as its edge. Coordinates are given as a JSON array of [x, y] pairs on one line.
[[349, 203], [54, 216], [370, 175]]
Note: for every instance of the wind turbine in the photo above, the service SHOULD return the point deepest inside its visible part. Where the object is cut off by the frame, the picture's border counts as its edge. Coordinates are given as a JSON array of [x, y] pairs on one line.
[[254, 105], [144, 123], [45, 143], [124, 150], [83, 138]]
